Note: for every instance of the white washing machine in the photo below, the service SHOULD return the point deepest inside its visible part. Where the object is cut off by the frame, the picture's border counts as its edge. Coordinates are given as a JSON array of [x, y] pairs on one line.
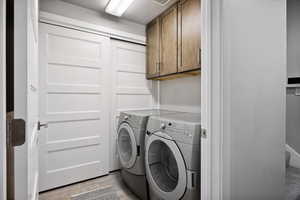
[[130, 144], [172, 156]]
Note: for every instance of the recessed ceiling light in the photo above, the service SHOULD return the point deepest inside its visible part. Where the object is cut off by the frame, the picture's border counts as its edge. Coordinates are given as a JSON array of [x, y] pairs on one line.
[[117, 7]]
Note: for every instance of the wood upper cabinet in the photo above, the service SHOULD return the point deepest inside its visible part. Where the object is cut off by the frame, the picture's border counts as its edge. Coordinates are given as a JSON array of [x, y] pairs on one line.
[[189, 35], [153, 48], [169, 42], [173, 41]]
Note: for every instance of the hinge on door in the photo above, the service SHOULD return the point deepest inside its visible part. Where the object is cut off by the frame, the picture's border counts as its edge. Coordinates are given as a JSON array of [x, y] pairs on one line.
[[16, 130], [40, 125], [203, 133]]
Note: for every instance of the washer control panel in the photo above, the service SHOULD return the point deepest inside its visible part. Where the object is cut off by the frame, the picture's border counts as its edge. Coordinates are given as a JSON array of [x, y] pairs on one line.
[[186, 133]]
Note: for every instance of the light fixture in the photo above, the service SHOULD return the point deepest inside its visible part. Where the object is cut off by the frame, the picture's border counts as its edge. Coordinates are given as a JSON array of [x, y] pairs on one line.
[[117, 7]]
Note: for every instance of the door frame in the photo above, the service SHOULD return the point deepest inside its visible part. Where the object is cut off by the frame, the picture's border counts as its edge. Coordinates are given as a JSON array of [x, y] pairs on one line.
[[212, 108], [2, 100]]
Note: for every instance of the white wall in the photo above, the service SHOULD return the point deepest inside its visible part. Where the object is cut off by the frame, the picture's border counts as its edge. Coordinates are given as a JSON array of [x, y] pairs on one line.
[[2, 101], [182, 94], [254, 67], [72, 11]]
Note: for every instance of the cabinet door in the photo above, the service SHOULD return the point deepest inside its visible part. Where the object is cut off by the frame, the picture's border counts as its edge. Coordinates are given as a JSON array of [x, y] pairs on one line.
[[169, 51], [189, 44], [153, 49]]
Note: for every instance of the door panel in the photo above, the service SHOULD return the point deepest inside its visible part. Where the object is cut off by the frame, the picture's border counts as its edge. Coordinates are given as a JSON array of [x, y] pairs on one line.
[[68, 75], [130, 89], [74, 99], [168, 64], [153, 40], [189, 10]]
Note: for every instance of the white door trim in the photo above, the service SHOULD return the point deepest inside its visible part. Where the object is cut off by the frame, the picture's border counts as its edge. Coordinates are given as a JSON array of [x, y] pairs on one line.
[[59, 20], [220, 174], [2, 101], [212, 108], [205, 155]]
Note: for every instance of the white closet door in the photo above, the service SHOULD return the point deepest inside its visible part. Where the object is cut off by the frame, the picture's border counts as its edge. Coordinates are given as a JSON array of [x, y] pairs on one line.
[[130, 88], [74, 99]]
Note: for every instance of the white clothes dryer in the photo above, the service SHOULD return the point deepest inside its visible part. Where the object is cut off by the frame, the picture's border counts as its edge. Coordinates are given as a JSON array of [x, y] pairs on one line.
[[172, 156]]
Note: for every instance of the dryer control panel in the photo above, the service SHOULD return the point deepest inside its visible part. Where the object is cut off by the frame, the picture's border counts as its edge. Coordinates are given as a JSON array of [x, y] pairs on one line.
[[188, 133]]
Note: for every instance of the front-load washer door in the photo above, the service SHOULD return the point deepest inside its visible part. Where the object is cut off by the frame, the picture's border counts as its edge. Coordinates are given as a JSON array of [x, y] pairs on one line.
[[165, 167], [126, 145]]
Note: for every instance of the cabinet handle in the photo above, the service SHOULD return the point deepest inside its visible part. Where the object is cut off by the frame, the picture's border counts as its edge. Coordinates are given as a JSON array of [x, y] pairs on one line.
[[157, 66], [199, 56]]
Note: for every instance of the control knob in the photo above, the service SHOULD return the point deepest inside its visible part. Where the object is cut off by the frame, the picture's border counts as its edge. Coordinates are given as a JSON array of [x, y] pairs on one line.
[[163, 126]]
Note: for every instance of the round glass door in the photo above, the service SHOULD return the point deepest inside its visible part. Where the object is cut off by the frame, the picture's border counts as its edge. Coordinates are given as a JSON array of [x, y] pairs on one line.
[[165, 167], [126, 143]]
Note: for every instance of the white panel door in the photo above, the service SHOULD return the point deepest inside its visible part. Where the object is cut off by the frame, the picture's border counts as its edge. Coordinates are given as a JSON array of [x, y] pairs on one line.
[[74, 103], [130, 88]]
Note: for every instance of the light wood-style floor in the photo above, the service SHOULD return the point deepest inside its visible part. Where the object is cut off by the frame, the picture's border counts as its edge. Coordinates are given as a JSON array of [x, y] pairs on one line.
[[112, 180]]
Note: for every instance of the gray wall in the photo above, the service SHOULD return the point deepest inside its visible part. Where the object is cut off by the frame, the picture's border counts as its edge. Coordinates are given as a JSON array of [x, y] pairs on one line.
[[98, 18], [255, 73], [293, 32], [293, 120], [293, 60], [182, 94]]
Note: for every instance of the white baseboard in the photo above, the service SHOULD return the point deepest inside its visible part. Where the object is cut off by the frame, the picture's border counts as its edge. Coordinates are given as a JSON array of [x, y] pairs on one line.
[[295, 156]]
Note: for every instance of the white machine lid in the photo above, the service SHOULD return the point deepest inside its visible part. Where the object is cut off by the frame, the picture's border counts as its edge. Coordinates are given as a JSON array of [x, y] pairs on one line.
[[149, 112], [185, 118]]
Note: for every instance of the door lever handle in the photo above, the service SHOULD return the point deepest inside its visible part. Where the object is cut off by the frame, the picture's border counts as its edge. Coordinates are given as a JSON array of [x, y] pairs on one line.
[[40, 125]]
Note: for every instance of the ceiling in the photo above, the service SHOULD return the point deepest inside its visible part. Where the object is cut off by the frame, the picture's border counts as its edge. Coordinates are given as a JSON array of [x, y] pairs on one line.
[[140, 11]]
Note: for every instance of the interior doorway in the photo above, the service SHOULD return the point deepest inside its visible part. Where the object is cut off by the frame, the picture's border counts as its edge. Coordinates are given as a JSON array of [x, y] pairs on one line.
[[2, 100], [293, 102]]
